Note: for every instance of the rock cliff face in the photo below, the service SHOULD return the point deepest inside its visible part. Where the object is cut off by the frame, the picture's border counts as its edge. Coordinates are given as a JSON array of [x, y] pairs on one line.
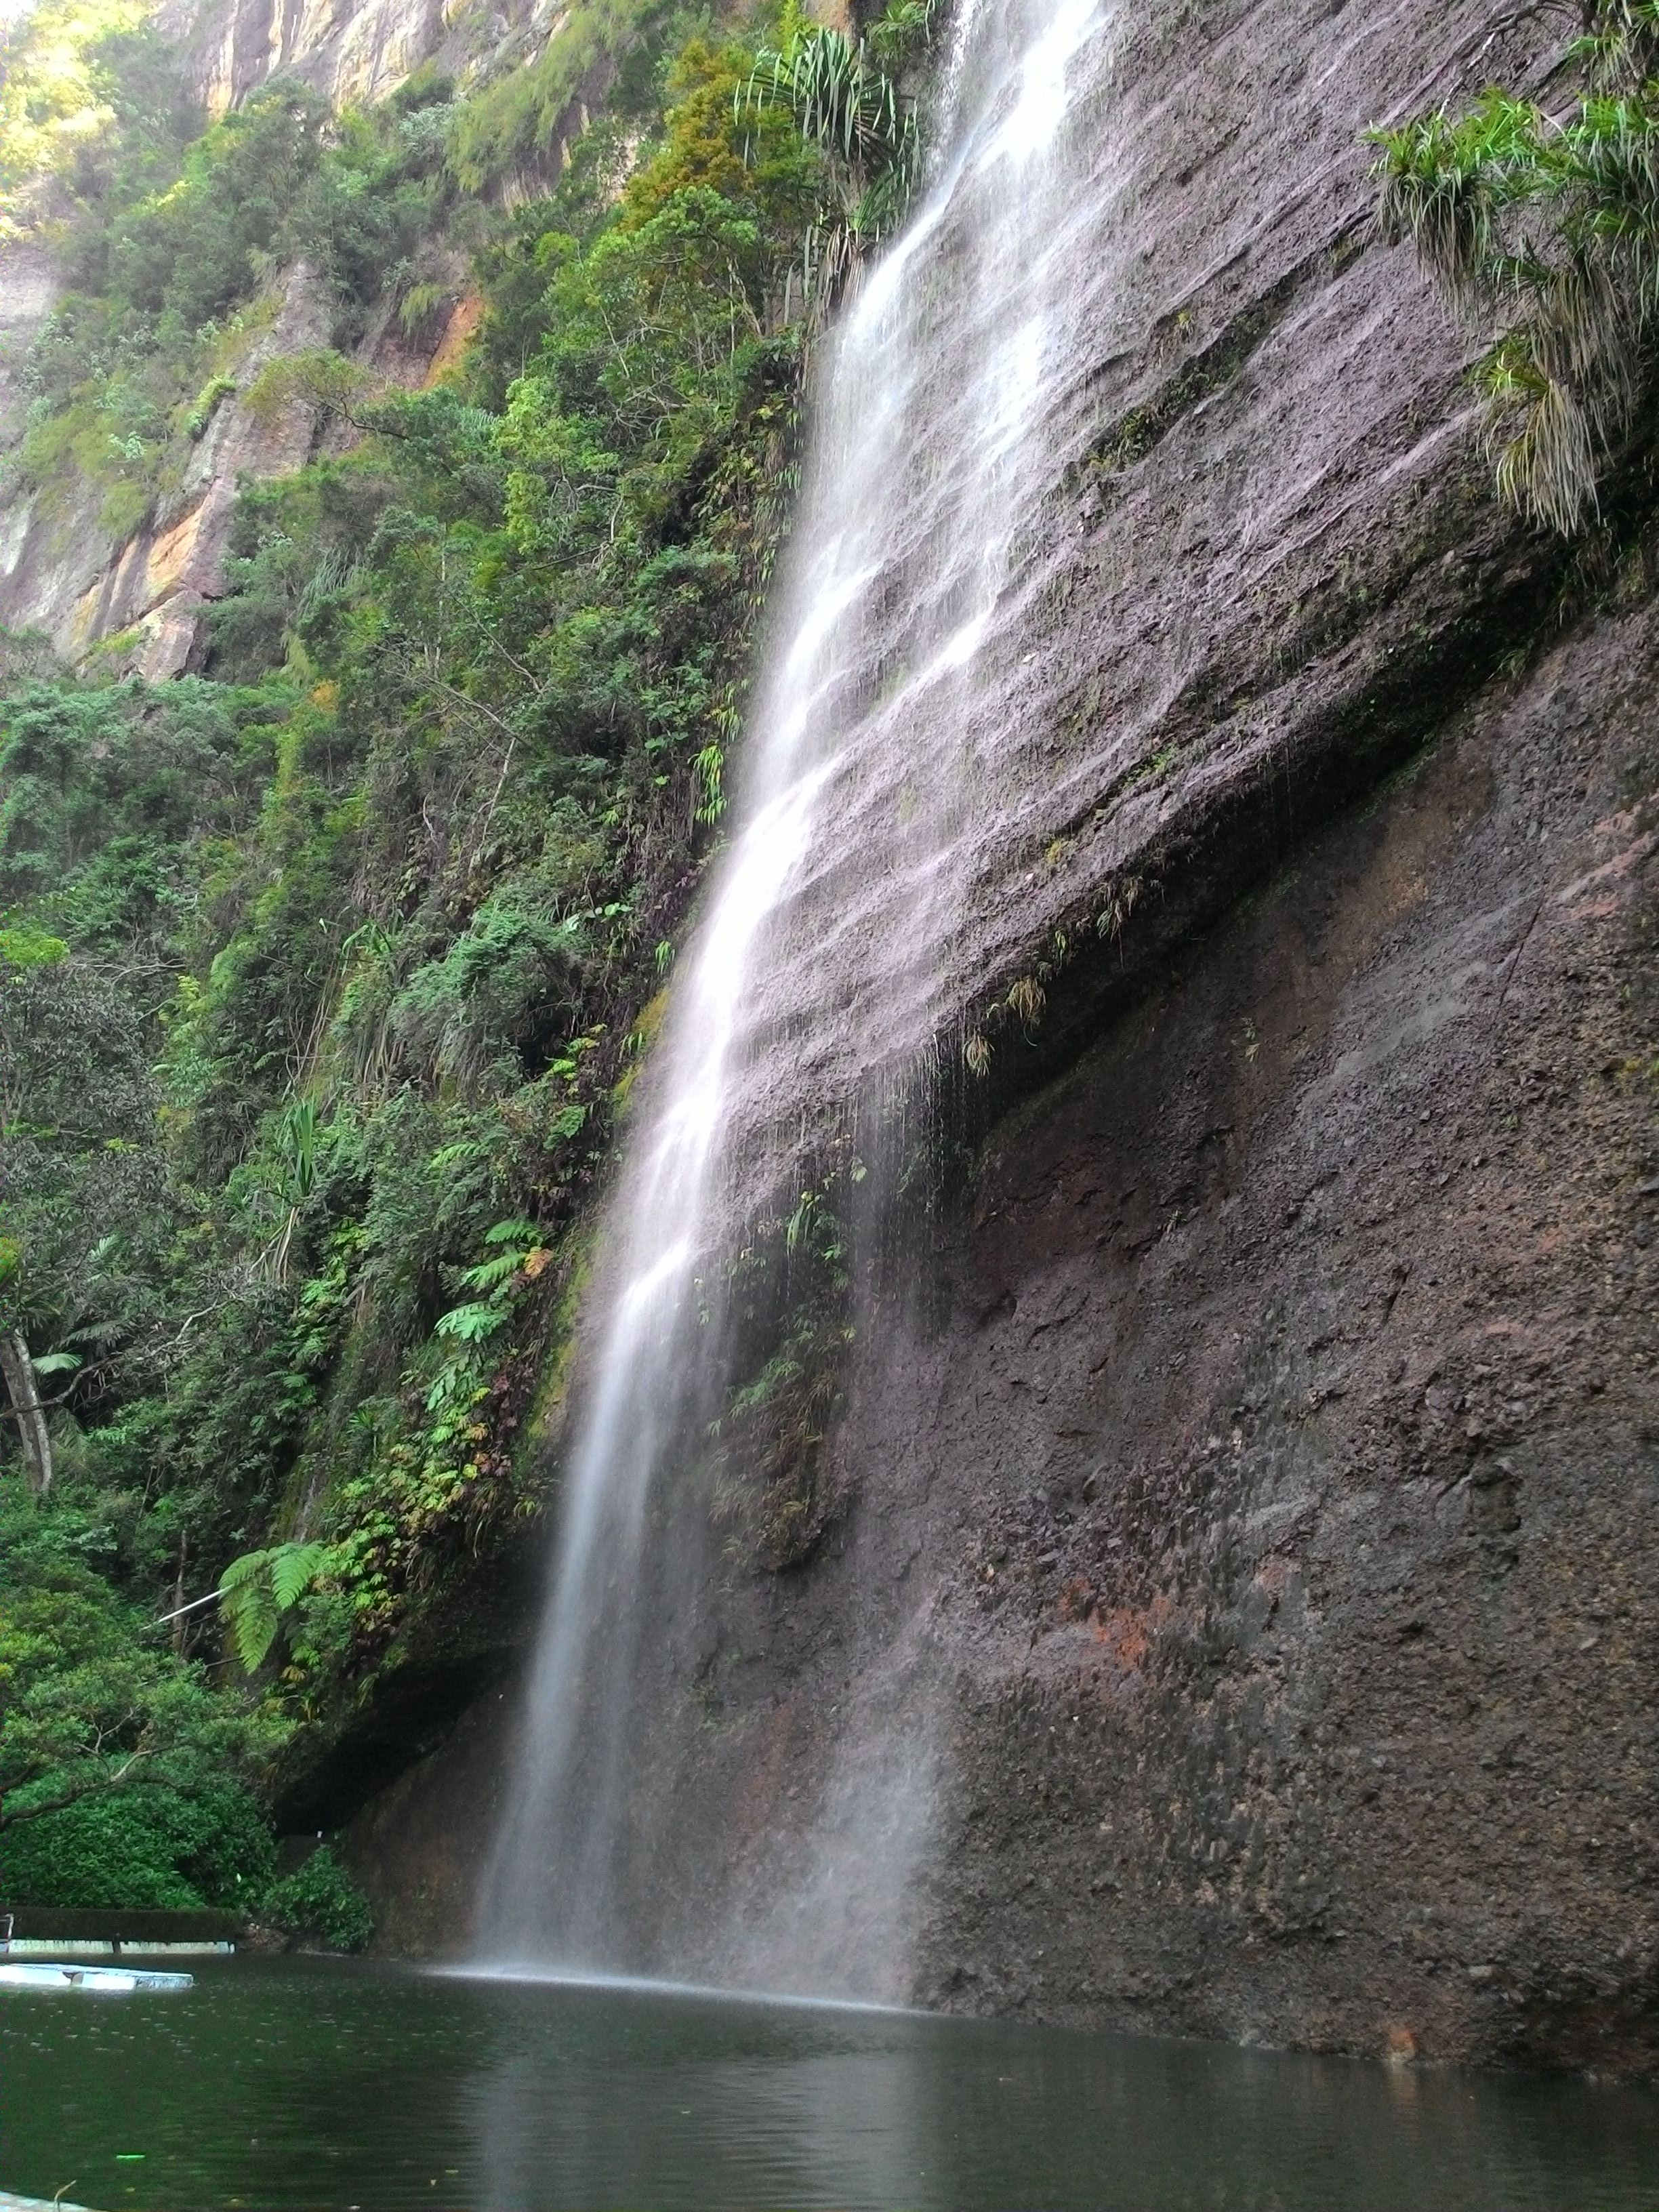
[[1290, 1443], [61, 572], [1265, 1503], [1257, 1507], [28, 287], [1268, 561], [352, 51]]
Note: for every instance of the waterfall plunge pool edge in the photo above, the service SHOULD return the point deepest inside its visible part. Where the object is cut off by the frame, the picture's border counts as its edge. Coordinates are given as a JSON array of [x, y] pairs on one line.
[[317, 2083], [581, 1977]]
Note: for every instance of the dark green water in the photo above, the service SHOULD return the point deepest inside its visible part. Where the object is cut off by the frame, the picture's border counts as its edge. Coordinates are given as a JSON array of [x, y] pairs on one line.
[[320, 2084]]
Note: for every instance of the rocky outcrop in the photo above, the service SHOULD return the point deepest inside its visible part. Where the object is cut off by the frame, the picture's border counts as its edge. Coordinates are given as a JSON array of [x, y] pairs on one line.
[[1296, 1425], [352, 53], [61, 572], [1262, 561], [28, 289], [1244, 1581]]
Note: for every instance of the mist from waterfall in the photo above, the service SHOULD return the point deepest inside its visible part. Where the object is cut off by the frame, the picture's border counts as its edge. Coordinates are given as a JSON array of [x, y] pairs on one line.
[[819, 956]]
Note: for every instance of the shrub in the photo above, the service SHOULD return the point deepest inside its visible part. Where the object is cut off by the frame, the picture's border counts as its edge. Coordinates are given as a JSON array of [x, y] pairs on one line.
[[147, 1850], [1541, 229], [321, 1900]]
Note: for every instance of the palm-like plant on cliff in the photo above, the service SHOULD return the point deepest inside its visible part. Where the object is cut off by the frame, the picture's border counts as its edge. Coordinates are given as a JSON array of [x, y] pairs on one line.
[[844, 96], [1542, 231]]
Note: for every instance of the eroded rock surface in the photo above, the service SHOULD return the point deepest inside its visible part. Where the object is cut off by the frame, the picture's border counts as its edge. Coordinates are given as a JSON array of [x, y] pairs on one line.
[[1259, 1525], [355, 51], [61, 573], [1296, 1420], [1267, 562]]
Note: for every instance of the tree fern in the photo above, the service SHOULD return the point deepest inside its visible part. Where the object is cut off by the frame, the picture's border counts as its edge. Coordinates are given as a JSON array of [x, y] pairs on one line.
[[248, 1607], [256, 1589], [294, 1568]]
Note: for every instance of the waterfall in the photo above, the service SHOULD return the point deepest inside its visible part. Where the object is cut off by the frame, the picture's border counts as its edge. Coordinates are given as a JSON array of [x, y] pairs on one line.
[[823, 958]]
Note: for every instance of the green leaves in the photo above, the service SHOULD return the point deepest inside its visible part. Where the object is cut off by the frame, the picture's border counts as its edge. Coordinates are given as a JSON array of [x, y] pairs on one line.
[[304, 1120], [1445, 183], [840, 95], [256, 1589], [328, 385], [55, 110], [150, 1847], [293, 1568], [296, 1137], [516, 1233], [470, 1324], [510, 974], [249, 1609], [800, 1221], [495, 1275], [844, 96], [95, 1702], [1547, 231], [519, 114], [319, 1900], [476, 1322], [25, 944]]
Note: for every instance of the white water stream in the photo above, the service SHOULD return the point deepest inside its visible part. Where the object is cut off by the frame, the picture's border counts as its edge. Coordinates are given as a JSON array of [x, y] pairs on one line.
[[825, 938]]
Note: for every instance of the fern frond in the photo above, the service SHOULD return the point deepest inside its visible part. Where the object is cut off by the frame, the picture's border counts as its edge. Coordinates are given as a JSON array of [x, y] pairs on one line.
[[491, 1274], [470, 1324], [512, 1232], [294, 1568]]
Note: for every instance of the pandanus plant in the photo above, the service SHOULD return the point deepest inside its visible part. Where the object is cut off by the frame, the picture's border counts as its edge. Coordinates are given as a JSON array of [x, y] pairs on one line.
[[1542, 232], [844, 95]]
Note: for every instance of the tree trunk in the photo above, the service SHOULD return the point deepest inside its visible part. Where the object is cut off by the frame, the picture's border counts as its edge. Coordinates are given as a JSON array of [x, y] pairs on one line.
[[180, 1617], [19, 1370]]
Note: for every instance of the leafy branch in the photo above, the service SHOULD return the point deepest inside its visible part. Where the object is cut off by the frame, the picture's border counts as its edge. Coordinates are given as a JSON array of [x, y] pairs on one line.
[[257, 1589]]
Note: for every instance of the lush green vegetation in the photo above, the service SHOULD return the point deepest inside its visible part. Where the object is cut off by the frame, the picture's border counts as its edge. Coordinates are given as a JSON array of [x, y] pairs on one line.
[[325, 976], [122, 1771], [1542, 229], [178, 252], [73, 74], [318, 1900]]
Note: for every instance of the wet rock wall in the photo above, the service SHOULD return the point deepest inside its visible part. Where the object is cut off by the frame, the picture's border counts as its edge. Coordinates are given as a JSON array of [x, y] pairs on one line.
[[1252, 1495], [1296, 1425], [1258, 1505]]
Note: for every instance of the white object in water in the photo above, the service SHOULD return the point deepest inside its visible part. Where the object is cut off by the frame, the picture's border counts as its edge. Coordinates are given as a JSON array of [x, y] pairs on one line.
[[99, 1981], [60, 1949]]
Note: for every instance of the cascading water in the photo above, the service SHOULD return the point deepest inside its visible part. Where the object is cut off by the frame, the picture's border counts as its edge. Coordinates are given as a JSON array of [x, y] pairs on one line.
[[824, 952]]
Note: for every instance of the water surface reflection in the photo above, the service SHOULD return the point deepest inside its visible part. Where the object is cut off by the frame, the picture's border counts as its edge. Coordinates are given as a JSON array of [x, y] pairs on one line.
[[299, 2083]]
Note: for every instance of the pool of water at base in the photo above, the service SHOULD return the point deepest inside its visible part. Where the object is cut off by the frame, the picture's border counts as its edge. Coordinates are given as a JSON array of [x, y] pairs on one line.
[[337, 2085]]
